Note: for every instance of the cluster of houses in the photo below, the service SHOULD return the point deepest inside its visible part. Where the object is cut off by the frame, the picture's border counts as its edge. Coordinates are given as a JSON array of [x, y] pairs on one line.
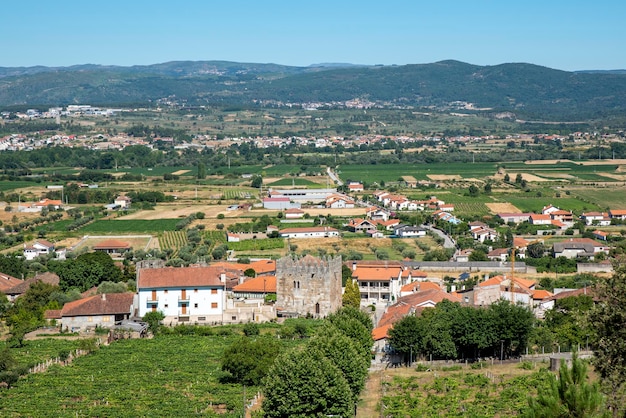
[[400, 202]]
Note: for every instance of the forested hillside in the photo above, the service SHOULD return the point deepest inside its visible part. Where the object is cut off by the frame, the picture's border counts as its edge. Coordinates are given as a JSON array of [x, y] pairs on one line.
[[529, 91]]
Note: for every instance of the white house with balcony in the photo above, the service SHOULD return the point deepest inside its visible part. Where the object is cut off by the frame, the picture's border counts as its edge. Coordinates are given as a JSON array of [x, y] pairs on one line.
[[182, 294]]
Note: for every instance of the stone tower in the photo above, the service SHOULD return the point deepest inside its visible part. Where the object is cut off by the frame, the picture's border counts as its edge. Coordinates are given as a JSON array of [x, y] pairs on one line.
[[308, 285]]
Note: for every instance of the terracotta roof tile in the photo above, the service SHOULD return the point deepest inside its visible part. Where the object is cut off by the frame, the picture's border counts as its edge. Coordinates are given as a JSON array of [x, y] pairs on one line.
[[105, 304], [7, 282], [261, 284], [419, 286], [179, 277], [21, 288]]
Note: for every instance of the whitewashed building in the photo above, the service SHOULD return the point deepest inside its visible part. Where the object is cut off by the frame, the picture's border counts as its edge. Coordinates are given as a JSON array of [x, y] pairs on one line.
[[183, 294]]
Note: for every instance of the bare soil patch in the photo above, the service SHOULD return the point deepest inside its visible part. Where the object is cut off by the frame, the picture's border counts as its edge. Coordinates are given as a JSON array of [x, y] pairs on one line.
[[409, 179], [180, 172], [620, 177], [502, 208], [443, 177], [603, 162], [533, 178], [548, 162]]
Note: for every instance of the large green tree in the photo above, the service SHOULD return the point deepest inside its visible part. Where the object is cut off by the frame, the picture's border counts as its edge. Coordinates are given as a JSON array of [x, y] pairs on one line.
[[248, 360], [304, 383], [344, 353], [608, 321]]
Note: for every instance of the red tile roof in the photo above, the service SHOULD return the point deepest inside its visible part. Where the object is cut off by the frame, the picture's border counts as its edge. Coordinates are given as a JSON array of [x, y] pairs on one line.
[[541, 294], [7, 282], [376, 273], [261, 284], [419, 286], [105, 304], [179, 277], [21, 288], [309, 229]]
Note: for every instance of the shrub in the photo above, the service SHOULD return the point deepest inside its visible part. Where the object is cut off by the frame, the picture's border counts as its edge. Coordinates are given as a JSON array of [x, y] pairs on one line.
[[251, 329]]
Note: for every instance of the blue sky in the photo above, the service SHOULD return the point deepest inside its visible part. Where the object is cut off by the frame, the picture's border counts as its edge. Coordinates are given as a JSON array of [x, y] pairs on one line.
[[572, 35]]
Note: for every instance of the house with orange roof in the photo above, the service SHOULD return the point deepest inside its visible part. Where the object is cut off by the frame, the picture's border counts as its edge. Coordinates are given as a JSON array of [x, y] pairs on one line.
[[183, 294], [380, 282], [355, 187], [23, 285], [339, 201], [378, 214], [361, 225], [96, 311], [112, 246], [498, 254], [7, 282], [601, 235], [255, 287], [123, 202], [407, 305], [515, 290], [617, 214], [418, 286], [44, 203]]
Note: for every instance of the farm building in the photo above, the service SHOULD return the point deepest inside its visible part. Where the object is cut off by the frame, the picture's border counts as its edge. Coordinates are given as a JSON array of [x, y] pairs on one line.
[[112, 246], [96, 311], [312, 232]]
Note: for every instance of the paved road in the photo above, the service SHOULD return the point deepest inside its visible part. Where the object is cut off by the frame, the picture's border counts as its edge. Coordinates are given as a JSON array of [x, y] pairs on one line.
[[447, 241], [334, 177]]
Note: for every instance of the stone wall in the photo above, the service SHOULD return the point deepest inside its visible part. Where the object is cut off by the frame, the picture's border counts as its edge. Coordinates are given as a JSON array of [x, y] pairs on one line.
[[308, 285]]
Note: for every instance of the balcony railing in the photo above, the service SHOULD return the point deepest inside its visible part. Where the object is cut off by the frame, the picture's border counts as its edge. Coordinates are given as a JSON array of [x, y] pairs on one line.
[[153, 300]]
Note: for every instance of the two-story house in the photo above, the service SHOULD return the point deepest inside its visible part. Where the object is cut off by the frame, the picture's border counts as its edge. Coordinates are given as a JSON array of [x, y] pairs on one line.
[[183, 294]]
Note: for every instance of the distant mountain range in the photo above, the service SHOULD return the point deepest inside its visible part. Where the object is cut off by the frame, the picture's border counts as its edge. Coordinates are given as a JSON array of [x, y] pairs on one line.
[[529, 91]]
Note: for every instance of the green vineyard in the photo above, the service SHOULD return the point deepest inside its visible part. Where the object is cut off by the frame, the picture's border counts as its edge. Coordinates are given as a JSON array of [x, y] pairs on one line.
[[173, 240]]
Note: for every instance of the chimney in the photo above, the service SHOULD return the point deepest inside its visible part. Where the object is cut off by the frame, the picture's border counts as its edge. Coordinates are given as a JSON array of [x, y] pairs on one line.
[[104, 296], [223, 277], [353, 265]]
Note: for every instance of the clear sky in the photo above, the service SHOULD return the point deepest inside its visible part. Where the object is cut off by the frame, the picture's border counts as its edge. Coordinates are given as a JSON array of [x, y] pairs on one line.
[[567, 35]]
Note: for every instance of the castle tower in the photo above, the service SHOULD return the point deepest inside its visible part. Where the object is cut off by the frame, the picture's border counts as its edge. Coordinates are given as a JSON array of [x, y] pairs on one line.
[[308, 285]]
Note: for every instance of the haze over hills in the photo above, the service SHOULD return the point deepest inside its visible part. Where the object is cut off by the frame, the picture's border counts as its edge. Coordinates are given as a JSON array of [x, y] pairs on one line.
[[529, 91]]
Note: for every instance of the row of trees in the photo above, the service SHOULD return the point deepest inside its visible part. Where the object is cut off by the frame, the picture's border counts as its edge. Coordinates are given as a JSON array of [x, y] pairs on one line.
[[452, 331]]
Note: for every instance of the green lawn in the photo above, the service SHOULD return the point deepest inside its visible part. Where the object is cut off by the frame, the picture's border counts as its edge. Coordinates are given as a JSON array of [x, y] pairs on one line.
[[122, 226]]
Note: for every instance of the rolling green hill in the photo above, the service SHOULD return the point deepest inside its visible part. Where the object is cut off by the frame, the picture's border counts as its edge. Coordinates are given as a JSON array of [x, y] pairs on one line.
[[529, 91]]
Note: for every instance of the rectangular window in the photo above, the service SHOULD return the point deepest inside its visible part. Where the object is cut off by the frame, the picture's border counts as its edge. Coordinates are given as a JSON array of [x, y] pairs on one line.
[[214, 291], [233, 318], [166, 306], [202, 318], [165, 291], [106, 319], [195, 290], [195, 305], [213, 305], [89, 319]]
